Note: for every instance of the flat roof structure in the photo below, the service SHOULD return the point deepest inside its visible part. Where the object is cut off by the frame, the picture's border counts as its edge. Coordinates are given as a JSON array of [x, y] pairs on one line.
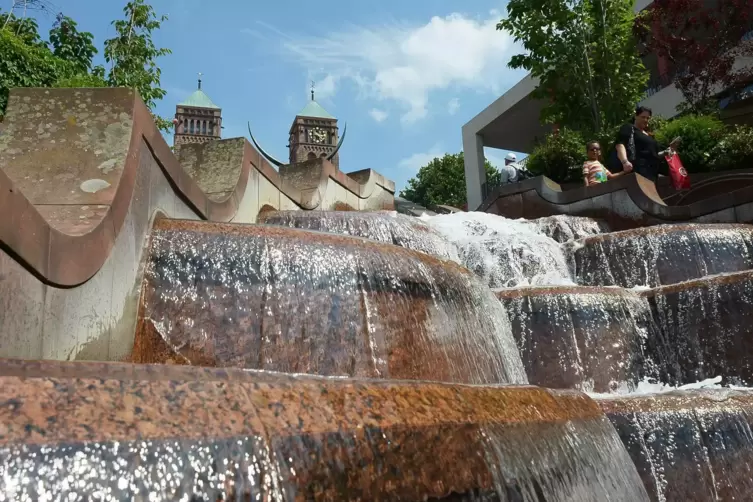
[[510, 123]]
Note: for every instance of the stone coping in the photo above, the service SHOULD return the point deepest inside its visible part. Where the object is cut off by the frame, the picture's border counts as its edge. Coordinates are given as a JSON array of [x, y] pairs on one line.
[[508, 293], [691, 399], [63, 229], [640, 190], [110, 401]]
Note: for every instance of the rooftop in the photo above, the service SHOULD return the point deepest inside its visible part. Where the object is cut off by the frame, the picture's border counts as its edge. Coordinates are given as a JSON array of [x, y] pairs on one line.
[[315, 110], [199, 99]]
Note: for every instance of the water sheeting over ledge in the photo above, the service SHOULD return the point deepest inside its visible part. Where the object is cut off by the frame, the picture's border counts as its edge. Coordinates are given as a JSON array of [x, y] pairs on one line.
[[688, 446], [194, 434], [222, 295]]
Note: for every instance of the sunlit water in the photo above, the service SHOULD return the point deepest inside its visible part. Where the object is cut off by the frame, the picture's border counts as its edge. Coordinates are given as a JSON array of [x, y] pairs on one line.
[[503, 252], [420, 441], [384, 226], [307, 302]]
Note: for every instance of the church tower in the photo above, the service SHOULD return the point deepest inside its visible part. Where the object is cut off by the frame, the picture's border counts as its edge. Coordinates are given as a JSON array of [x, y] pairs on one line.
[[197, 119], [314, 134]]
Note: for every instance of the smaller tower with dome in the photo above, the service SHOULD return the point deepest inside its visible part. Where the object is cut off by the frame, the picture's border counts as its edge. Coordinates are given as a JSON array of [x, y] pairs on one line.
[[197, 119]]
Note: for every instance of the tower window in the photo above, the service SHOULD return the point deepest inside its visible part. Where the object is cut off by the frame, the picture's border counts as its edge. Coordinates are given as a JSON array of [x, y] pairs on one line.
[[203, 127], [192, 123]]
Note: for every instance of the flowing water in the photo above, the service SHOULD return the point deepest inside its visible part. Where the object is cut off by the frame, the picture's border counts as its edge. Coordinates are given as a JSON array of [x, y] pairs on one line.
[[281, 299], [385, 226], [273, 437], [591, 339], [506, 253], [389, 300]]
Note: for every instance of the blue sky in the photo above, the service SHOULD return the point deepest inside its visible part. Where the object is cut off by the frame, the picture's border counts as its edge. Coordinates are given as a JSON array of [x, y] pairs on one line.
[[404, 75]]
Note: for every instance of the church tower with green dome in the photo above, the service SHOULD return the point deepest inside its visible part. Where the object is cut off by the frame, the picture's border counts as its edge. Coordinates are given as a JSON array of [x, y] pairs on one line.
[[314, 134], [197, 119]]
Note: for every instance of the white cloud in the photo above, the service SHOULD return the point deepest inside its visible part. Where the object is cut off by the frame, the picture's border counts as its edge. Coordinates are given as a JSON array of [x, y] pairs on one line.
[[326, 87], [378, 115], [419, 160], [405, 63], [453, 105]]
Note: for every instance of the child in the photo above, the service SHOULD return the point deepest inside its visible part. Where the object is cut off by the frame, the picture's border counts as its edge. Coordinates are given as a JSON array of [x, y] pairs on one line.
[[594, 171]]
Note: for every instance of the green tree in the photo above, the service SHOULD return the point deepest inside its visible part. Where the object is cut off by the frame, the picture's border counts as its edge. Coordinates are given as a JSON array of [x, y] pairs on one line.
[[23, 65], [442, 181], [25, 29], [133, 55], [585, 57], [72, 45], [560, 157]]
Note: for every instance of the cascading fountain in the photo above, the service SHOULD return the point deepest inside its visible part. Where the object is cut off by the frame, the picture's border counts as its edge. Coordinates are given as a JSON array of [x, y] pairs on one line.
[[362, 308], [341, 356], [683, 322]]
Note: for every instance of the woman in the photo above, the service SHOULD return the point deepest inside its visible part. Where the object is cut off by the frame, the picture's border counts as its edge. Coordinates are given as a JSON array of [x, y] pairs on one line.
[[639, 150], [594, 171]]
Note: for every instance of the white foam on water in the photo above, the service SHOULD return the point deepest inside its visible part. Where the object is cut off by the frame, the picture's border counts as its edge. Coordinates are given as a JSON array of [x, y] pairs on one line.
[[647, 387], [505, 252]]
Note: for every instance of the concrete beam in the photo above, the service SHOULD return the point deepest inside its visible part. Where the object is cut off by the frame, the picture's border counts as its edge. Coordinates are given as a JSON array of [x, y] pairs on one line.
[[475, 174]]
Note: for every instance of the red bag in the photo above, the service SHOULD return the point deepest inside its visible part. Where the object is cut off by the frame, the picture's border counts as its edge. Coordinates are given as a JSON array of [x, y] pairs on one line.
[[680, 179]]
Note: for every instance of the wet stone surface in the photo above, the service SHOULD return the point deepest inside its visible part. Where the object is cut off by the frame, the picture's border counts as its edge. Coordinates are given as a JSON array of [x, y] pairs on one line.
[[591, 339], [281, 299], [689, 446], [661, 255], [240, 435], [705, 329]]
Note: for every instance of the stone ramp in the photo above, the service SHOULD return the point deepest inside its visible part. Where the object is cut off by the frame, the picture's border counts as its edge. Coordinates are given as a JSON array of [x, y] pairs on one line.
[[283, 299], [71, 248], [626, 202], [230, 434], [70, 161]]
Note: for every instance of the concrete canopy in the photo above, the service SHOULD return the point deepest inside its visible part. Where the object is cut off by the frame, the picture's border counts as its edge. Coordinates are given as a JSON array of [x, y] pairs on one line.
[[509, 123]]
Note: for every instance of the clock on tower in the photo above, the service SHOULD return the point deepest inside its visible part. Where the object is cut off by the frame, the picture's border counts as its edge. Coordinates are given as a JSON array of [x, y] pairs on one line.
[[314, 134]]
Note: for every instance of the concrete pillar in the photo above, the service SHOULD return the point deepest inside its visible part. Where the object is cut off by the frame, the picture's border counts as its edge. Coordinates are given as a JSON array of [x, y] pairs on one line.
[[475, 174]]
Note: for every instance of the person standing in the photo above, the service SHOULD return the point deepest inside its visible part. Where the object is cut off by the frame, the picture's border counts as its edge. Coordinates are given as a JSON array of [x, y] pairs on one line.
[[637, 149]]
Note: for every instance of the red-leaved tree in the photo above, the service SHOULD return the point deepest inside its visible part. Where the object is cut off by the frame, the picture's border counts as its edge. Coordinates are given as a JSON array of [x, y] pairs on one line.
[[704, 42]]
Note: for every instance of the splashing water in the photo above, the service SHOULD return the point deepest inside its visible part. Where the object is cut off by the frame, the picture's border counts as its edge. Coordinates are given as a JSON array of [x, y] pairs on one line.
[[505, 253], [563, 228], [281, 299], [386, 226]]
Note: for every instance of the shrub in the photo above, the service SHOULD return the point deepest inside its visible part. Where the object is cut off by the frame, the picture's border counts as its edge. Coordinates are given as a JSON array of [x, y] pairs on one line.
[[734, 151], [560, 157], [700, 135]]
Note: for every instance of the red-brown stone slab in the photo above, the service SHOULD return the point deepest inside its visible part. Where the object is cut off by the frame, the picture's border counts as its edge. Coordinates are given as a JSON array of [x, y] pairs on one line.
[[705, 329], [580, 337], [238, 433], [282, 299], [661, 255], [689, 446]]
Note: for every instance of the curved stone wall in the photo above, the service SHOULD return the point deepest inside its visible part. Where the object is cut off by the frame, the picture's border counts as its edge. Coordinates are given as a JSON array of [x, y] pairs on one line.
[[83, 172], [626, 202]]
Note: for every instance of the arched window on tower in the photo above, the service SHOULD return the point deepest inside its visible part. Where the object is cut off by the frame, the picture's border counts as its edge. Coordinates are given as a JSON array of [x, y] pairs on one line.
[[324, 155], [311, 156], [191, 126]]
